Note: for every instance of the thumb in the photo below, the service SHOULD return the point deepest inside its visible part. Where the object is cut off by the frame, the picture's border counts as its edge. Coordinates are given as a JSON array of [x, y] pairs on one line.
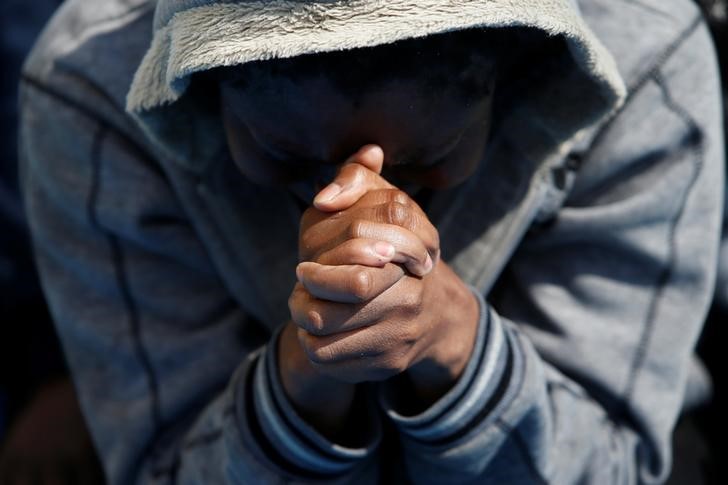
[[357, 176], [371, 156]]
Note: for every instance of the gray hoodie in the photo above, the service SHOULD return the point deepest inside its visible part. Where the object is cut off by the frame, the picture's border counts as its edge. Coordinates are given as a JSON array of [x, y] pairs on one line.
[[590, 239]]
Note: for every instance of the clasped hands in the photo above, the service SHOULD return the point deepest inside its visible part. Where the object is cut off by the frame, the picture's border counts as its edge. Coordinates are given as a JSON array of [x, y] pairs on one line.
[[373, 297]]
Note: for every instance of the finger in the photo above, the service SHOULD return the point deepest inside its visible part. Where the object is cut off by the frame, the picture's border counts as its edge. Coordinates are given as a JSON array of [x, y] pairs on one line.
[[346, 356], [371, 156], [367, 252], [417, 255], [340, 347], [351, 183], [348, 283], [410, 250], [308, 312], [373, 352], [407, 217], [314, 222], [393, 206], [345, 362], [401, 302]]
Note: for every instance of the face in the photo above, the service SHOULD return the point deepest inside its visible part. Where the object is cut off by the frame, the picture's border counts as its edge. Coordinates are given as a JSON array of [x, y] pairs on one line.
[[301, 132]]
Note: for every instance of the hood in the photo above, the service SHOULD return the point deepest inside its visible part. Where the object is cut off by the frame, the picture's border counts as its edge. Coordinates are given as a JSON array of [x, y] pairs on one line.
[[197, 35]]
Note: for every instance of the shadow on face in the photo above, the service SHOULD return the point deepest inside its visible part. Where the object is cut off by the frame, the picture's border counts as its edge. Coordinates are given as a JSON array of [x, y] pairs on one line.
[[426, 102]]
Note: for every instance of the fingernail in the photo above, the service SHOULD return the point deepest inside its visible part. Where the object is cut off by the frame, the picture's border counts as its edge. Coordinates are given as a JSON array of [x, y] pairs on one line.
[[299, 273], [375, 149], [384, 249], [329, 193]]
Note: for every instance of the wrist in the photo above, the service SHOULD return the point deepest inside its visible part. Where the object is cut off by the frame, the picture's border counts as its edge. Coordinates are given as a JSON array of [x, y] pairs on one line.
[[437, 371], [323, 402]]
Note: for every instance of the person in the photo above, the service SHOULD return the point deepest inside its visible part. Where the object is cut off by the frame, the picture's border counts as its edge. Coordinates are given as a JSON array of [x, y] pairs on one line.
[[366, 241]]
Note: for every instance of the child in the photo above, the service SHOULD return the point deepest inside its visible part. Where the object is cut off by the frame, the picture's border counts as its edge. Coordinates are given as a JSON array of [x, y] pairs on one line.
[[505, 257]]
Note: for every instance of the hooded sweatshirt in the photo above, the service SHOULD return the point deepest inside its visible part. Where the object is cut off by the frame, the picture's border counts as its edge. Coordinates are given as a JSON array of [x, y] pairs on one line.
[[589, 237]]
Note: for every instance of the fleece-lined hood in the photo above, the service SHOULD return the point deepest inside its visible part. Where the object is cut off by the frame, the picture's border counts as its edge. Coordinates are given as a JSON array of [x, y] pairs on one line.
[[197, 35]]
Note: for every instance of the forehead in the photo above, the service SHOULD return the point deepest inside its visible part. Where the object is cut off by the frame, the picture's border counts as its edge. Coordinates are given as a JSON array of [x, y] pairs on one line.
[[314, 112]]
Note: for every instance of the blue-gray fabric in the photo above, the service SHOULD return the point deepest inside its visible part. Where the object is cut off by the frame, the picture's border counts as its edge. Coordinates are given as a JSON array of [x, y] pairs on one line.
[[159, 279]]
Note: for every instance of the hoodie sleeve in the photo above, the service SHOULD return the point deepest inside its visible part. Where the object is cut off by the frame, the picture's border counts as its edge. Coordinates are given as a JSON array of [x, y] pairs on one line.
[[587, 343], [173, 377]]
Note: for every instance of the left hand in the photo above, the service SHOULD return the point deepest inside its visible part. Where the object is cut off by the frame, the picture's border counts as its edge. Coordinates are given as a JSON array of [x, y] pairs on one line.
[[424, 325]]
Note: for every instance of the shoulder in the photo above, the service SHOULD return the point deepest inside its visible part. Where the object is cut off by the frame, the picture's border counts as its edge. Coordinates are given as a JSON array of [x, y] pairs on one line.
[[87, 57], [642, 34], [668, 135], [666, 56]]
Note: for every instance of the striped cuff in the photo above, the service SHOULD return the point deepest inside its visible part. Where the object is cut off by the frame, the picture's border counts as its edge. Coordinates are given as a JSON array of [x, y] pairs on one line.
[[295, 441], [478, 390]]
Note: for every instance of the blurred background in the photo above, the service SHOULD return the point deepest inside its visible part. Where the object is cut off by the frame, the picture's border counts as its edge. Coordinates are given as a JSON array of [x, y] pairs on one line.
[[43, 439]]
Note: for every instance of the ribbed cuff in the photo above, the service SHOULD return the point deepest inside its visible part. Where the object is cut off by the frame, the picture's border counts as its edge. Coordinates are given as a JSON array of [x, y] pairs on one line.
[[478, 389], [290, 436]]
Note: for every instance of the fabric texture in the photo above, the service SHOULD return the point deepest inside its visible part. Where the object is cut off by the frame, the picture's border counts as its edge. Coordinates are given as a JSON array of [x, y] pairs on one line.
[[591, 237], [196, 36]]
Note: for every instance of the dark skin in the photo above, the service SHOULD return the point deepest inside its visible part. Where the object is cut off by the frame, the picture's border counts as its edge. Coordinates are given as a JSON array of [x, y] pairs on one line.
[[373, 298]]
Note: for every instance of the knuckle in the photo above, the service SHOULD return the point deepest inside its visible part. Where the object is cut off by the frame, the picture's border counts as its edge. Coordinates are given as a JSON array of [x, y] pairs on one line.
[[357, 228], [410, 304], [361, 285], [303, 315], [312, 322], [397, 214], [400, 197], [399, 365], [396, 195], [409, 335], [389, 366]]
